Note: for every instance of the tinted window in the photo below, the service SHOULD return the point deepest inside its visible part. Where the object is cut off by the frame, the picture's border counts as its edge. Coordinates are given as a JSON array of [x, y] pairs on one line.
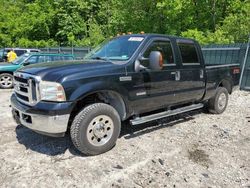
[[57, 58], [41, 59], [20, 52], [162, 46], [32, 59], [1, 52], [120, 49], [188, 53], [49, 58], [68, 58]]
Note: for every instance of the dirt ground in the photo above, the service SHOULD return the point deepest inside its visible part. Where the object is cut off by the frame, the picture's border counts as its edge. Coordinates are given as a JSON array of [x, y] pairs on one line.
[[192, 150]]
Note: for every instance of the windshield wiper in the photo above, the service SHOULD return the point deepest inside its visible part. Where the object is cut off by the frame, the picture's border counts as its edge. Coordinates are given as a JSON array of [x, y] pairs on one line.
[[100, 58]]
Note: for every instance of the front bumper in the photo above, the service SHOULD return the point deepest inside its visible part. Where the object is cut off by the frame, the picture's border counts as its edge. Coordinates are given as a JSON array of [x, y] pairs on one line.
[[52, 125]]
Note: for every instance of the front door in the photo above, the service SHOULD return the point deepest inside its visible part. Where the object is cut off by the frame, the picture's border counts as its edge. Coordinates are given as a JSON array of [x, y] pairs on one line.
[[160, 86]]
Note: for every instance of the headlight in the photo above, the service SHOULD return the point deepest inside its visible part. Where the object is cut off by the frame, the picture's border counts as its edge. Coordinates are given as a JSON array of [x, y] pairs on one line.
[[51, 91]]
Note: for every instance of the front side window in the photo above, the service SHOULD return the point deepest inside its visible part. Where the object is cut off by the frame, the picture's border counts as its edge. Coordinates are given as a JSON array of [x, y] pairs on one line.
[[32, 60], [166, 51], [57, 58], [188, 53]]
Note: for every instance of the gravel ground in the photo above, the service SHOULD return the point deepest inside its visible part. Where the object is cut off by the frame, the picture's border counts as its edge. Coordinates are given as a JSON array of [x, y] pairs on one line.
[[192, 150]]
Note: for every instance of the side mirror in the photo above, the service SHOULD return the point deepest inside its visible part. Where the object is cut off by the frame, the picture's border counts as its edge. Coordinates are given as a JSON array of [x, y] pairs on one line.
[[155, 60], [138, 66], [26, 63]]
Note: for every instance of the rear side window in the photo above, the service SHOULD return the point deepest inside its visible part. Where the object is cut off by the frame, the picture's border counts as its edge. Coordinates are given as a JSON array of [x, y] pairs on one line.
[[68, 58], [49, 58], [41, 59], [188, 53], [57, 58]]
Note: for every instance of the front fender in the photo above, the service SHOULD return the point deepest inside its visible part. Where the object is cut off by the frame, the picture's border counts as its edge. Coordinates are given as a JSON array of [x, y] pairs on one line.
[[96, 86]]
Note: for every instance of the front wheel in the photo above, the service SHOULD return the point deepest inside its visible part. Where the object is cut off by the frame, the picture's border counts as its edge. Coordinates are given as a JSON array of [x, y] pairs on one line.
[[218, 103], [6, 81], [95, 129]]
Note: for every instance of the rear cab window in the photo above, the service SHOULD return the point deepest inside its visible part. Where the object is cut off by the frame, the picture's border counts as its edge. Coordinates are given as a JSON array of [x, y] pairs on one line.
[[188, 52]]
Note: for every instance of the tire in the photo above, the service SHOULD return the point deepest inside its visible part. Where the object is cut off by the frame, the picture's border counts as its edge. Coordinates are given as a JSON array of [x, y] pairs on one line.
[[218, 103], [95, 129], [6, 81]]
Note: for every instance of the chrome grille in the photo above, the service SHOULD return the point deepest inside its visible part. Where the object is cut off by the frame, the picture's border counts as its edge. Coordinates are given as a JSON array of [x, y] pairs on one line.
[[26, 88]]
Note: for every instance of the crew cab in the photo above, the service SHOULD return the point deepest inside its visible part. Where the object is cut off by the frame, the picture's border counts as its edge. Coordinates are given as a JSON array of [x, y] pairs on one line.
[[137, 77], [7, 69]]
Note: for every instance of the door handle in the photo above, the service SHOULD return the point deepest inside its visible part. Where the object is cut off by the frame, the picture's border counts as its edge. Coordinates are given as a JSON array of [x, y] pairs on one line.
[[177, 75], [201, 73]]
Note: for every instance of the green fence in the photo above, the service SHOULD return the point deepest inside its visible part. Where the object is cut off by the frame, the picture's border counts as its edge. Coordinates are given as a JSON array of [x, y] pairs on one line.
[[230, 54], [79, 52], [213, 54]]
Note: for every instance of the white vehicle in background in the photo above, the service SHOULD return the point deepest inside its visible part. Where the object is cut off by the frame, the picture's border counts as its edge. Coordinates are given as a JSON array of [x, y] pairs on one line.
[[18, 51]]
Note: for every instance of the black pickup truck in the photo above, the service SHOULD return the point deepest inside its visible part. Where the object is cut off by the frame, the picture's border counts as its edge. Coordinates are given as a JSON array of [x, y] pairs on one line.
[[137, 77]]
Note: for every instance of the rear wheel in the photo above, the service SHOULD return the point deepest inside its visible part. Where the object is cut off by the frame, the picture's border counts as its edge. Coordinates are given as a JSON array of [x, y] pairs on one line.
[[95, 129], [6, 81], [218, 103]]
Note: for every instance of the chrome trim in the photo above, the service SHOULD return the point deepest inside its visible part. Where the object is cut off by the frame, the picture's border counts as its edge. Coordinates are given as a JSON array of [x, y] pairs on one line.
[[30, 78], [218, 66], [41, 123], [168, 113], [21, 93], [186, 64], [177, 75], [211, 49]]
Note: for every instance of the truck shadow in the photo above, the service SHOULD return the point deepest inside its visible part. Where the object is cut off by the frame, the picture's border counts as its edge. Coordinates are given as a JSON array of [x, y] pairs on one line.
[[56, 146], [44, 144], [130, 132]]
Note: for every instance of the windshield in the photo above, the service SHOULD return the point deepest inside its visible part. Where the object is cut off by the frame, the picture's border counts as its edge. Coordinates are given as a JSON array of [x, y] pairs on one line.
[[119, 49], [20, 59]]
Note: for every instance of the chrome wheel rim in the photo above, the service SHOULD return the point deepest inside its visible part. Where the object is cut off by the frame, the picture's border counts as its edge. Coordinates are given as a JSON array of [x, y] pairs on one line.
[[100, 130], [222, 101], [6, 81]]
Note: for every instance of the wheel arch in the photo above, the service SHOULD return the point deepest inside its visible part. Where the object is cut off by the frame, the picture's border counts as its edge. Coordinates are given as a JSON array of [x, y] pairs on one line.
[[226, 83], [8, 72], [110, 97]]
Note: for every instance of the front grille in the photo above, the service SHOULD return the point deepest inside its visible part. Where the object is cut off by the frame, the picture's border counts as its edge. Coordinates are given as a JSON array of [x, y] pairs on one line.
[[26, 88]]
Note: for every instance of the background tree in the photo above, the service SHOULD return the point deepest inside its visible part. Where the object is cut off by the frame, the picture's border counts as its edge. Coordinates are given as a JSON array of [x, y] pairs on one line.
[[41, 23]]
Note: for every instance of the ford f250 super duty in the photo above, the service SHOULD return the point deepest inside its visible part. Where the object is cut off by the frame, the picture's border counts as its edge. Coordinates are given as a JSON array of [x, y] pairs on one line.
[[137, 77]]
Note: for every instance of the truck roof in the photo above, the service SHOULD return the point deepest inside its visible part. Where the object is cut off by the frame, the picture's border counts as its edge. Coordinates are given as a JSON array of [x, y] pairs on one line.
[[152, 35]]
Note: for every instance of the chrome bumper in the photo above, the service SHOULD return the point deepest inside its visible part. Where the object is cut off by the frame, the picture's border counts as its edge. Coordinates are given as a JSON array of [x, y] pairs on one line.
[[44, 124]]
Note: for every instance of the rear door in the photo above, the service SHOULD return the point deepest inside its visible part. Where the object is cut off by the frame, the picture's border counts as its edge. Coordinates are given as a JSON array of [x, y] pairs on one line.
[[192, 79]]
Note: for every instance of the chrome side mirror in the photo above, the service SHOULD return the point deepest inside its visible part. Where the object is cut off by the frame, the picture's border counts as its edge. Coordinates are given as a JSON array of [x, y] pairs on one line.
[[155, 60]]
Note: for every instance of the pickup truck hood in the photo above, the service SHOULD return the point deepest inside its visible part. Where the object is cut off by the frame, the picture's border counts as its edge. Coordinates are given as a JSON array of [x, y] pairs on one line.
[[54, 71], [8, 66]]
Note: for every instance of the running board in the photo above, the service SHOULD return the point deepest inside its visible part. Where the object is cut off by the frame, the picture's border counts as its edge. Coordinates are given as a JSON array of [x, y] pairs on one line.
[[144, 119]]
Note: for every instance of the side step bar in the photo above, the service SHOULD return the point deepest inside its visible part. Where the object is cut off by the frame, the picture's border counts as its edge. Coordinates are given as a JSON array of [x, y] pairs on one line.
[[144, 119]]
